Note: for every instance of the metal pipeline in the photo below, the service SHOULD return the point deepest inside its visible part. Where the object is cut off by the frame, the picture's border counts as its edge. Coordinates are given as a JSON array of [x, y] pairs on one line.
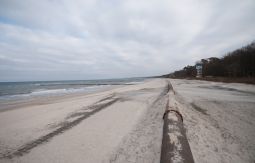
[[175, 146]]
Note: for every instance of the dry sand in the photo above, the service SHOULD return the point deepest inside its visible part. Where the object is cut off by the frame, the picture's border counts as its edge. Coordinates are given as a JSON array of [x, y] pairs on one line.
[[219, 119], [119, 125], [125, 124]]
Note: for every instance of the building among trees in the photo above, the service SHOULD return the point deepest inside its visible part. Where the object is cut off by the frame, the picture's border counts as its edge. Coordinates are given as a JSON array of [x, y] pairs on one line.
[[239, 64], [199, 68]]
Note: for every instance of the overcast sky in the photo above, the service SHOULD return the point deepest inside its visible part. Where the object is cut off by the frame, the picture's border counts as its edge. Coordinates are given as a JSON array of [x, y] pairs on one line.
[[93, 39]]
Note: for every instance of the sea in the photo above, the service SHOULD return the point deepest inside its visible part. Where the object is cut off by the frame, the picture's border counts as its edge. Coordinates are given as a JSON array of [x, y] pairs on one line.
[[10, 91]]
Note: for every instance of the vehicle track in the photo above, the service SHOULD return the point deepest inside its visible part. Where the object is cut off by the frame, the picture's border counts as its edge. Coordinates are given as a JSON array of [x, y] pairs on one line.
[[96, 107]]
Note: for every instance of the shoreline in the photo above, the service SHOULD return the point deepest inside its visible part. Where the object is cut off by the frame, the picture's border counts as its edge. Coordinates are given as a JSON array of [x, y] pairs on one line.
[[21, 92], [42, 100]]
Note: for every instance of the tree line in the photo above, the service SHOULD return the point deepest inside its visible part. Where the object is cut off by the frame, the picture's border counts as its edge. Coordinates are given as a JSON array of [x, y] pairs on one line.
[[236, 64]]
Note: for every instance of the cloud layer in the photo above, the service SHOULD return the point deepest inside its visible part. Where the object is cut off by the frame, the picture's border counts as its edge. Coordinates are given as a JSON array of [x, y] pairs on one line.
[[91, 39]]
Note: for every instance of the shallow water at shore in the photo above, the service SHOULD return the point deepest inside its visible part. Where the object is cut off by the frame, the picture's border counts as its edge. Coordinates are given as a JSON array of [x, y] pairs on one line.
[[13, 91]]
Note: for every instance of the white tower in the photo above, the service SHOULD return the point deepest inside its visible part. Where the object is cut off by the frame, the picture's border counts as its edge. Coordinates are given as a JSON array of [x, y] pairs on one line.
[[199, 67]]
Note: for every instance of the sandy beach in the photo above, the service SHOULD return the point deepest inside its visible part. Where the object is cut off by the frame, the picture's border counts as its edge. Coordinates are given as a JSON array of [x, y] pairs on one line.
[[124, 124], [117, 125]]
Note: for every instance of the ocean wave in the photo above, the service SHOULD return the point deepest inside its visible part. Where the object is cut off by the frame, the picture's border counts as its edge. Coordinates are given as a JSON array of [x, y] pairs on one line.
[[47, 91], [51, 92], [63, 91], [25, 90]]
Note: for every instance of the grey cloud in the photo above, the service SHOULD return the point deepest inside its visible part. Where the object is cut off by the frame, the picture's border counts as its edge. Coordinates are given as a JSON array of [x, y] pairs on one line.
[[51, 40]]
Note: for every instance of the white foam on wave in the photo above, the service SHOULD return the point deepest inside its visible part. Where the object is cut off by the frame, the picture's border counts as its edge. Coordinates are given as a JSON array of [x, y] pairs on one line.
[[47, 91], [52, 92], [39, 92]]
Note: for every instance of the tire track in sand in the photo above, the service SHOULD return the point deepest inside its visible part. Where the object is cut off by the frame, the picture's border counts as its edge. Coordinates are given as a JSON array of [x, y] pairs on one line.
[[96, 107]]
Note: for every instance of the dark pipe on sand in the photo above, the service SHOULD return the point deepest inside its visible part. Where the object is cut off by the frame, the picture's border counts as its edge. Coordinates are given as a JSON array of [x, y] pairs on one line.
[[175, 147]]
